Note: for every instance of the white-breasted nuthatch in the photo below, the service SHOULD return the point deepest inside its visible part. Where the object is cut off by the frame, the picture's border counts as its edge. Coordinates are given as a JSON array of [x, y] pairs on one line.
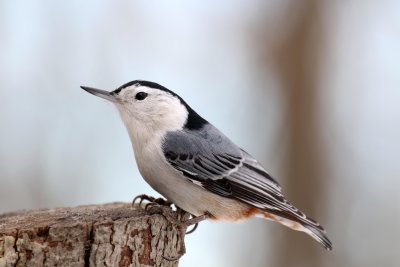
[[192, 164]]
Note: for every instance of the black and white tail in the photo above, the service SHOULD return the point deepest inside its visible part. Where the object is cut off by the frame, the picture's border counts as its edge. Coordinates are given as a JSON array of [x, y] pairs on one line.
[[300, 222]]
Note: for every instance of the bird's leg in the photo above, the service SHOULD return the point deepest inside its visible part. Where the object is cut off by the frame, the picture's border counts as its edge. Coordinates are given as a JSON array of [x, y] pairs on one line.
[[184, 213], [196, 220]]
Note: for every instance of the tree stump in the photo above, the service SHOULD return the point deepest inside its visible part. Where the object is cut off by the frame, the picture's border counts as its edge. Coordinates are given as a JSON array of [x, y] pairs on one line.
[[98, 235]]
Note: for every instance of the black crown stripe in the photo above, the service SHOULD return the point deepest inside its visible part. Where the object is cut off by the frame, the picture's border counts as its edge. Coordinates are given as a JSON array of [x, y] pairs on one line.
[[194, 120]]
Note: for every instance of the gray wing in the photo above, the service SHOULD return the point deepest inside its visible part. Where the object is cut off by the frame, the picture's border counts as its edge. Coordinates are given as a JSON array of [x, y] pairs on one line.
[[210, 160]]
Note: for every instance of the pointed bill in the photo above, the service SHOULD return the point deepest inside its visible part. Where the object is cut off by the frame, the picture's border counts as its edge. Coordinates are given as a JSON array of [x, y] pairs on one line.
[[100, 93]]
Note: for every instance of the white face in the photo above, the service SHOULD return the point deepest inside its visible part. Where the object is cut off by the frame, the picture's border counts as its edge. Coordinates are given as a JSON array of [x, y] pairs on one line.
[[152, 110]]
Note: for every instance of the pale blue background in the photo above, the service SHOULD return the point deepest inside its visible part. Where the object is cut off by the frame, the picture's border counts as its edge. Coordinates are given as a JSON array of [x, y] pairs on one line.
[[60, 146]]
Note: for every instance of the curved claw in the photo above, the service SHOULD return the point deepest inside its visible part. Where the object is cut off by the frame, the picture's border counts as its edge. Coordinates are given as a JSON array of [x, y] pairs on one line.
[[142, 198], [152, 200], [193, 229]]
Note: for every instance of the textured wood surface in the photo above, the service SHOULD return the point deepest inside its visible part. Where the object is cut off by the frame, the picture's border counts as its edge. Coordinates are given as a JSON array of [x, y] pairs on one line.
[[98, 235]]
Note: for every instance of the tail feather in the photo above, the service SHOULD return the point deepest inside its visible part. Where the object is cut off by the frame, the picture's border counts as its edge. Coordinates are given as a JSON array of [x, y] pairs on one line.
[[315, 230], [319, 236]]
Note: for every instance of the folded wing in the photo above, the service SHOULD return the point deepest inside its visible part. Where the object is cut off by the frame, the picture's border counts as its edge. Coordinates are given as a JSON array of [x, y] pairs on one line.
[[210, 160]]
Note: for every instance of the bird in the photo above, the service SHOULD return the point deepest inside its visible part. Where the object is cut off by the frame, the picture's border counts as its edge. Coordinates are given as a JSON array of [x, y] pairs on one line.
[[194, 165]]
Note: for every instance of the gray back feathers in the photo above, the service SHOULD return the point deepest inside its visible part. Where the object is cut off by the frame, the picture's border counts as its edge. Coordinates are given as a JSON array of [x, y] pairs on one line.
[[209, 159]]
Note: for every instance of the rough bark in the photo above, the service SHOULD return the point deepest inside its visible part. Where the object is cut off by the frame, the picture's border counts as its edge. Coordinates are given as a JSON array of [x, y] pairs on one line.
[[98, 235]]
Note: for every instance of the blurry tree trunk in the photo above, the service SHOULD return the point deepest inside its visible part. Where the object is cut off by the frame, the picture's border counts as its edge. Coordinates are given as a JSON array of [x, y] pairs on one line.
[[297, 60], [97, 235]]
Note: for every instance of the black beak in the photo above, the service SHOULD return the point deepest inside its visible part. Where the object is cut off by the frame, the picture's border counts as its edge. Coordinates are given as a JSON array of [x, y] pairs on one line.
[[100, 93]]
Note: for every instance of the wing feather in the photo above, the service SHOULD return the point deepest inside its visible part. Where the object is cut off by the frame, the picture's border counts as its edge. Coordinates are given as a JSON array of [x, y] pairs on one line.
[[211, 160]]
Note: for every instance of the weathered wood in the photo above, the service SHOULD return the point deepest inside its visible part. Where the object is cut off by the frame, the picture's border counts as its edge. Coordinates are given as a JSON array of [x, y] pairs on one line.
[[99, 235]]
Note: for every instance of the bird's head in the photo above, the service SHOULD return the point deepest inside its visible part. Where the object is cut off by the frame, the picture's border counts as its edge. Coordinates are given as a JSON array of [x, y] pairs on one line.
[[149, 107]]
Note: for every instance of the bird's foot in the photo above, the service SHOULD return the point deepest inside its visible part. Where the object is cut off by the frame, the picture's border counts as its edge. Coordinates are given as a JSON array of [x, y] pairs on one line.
[[152, 201], [165, 211], [185, 216], [156, 204]]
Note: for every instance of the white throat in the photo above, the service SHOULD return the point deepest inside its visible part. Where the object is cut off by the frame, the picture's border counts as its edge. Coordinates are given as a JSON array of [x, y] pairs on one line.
[[147, 130]]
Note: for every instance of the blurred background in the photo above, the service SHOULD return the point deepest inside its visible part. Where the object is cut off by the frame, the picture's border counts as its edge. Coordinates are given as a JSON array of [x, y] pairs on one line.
[[310, 88]]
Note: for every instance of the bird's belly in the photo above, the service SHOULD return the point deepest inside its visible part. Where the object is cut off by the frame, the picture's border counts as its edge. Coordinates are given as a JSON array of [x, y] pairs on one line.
[[191, 197]]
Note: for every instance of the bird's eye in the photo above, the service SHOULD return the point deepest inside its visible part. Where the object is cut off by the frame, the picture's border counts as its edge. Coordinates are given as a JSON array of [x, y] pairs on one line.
[[141, 95]]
